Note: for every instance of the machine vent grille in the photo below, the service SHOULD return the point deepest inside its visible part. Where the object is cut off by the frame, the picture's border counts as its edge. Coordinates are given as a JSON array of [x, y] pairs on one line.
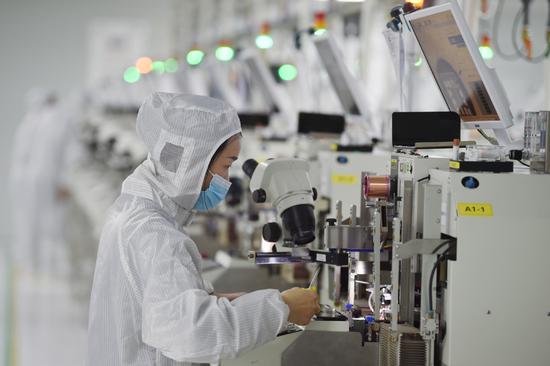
[[404, 347]]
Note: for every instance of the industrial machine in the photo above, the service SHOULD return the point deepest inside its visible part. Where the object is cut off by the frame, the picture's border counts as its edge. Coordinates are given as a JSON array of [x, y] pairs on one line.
[[450, 247], [415, 250], [449, 303]]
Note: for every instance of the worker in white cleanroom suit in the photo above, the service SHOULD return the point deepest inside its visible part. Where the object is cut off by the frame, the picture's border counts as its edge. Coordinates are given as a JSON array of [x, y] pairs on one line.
[[150, 304], [35, 181]]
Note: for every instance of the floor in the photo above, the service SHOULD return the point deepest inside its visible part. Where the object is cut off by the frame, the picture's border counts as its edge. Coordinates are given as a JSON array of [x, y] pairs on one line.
[[50, 325], [43, 323]]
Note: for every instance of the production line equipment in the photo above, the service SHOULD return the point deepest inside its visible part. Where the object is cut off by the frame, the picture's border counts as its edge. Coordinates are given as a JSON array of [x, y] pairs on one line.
[[441, 260], [466, 233], [351, 246]]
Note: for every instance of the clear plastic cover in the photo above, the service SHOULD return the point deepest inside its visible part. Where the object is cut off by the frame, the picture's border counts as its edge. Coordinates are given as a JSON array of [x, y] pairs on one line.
[[485, 153]]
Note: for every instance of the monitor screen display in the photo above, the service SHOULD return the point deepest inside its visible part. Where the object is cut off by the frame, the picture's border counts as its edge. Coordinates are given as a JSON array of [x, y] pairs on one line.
[[261, 78], [453, 67], [321, 123], [409, 128], [334, 68], [253, 120]]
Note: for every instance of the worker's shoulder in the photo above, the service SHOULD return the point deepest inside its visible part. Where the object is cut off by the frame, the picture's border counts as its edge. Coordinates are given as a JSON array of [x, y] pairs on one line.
[[137, 218]]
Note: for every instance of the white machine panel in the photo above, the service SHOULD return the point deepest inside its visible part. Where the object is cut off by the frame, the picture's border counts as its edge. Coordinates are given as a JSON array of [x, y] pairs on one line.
[[415, 169], [341, 175], [497, 301]]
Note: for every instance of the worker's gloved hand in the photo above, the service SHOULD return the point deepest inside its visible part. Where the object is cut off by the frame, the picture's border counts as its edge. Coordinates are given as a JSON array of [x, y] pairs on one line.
[[302, 303]]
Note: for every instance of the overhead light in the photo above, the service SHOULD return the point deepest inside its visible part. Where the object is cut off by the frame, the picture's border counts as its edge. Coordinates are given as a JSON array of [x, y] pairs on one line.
[[418, 4], [320, 32], [287, 72], [158, 67], [264, 39], [320, 23], [194, 56], [144, 65], [171, 65], [131, 75], [225, 52], [485, 48], [486, 52]]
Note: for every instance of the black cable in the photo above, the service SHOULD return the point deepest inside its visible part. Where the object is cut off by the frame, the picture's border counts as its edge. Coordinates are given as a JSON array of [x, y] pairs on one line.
[[523, 163], [423, 179], [517, 48], [526, 5], [496, 22], [432, 275]]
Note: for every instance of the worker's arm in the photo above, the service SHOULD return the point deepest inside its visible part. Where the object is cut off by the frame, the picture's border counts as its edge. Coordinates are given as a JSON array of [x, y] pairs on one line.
[[230, 296], [186, 324]]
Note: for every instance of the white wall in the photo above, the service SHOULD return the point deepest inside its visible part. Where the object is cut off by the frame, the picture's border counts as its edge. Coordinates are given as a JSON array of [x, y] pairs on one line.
[[43, 43]]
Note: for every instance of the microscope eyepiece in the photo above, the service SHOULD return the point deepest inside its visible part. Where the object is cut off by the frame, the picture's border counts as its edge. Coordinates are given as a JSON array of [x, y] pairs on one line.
[[249, 166]]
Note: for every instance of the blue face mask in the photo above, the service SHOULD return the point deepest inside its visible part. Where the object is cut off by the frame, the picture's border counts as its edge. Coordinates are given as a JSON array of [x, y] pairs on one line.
[[214, 195]]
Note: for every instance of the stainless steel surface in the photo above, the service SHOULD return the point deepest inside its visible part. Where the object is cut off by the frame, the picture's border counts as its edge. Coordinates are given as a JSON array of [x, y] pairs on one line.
[[431, 218], [406, 289], [346, 236], [404, 347], [364, 215], [406, 210], [417, 246]]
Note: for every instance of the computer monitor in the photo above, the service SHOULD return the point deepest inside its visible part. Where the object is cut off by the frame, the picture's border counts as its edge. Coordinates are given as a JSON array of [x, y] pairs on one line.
[[277, 102], [321, 123], [469, 87], [250, 121], [412, 128], [347, 89]]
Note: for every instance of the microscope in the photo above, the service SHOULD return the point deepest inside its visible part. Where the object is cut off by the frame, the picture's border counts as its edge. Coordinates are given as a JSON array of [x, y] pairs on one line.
[[285, 183], [351, 247]]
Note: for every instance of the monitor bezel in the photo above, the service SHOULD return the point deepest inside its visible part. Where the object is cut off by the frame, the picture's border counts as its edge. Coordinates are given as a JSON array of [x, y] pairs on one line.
[[342, 71], [488, 76]]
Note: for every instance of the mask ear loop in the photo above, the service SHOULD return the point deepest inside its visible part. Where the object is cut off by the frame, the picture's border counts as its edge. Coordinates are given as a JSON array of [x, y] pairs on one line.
[[212, 174]]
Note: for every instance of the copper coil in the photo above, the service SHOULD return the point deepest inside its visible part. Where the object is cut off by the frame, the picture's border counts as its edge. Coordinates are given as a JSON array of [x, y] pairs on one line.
[[377, 187]]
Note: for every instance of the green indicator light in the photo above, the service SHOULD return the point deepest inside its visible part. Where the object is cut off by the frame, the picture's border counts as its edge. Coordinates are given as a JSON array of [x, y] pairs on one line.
[[486, 52], [225, 53], [158, 67], [264, 41], [320, 31], [131, 75], [418, 62], [287, 72], [171, 65], [194, 57]]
